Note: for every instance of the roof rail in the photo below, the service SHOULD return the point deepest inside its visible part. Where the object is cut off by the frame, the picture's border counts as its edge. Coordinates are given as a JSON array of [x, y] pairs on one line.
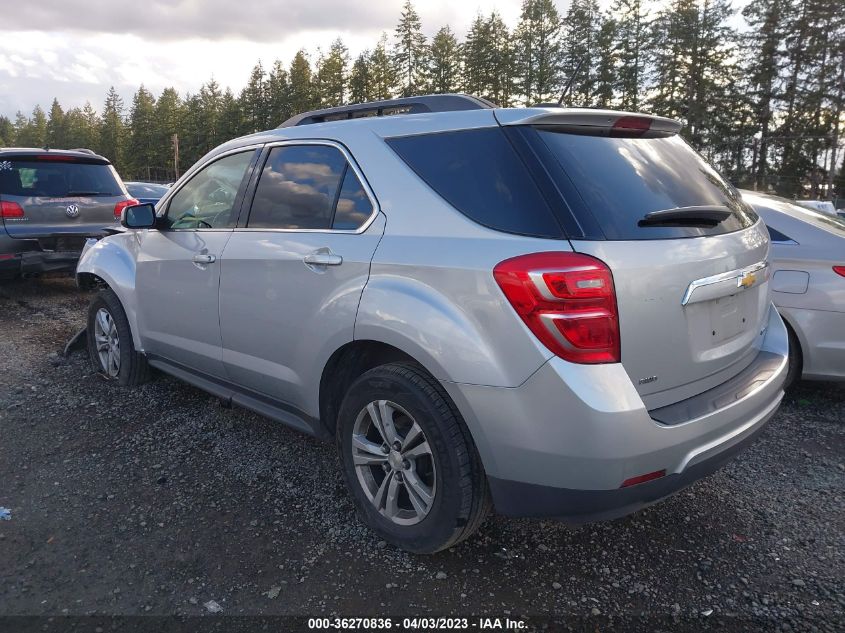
[[405, 105]]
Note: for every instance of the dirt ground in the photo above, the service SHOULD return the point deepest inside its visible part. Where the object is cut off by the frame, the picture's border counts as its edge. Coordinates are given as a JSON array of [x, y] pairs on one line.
[[157, 501]]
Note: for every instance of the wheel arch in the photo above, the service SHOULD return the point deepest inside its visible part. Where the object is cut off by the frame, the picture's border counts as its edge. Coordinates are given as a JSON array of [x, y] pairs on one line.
[[343, 368], [108, 263]]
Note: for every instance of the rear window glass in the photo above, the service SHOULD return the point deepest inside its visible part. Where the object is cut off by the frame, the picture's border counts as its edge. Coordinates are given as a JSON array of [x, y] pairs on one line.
[[619, 180], [479, 173], [56, 179]]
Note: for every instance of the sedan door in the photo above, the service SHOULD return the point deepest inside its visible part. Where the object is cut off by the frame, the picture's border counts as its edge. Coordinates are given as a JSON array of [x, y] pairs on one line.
[[293, 273], [178, 268]]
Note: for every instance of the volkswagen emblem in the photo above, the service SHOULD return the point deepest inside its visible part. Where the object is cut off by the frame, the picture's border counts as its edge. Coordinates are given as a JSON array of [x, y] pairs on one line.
[[72, 211]]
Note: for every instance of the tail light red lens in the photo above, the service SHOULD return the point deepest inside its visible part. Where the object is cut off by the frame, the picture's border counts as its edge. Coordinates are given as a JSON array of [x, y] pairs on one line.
[[120, 206], [839, 270], [11, 210], [567, 300]]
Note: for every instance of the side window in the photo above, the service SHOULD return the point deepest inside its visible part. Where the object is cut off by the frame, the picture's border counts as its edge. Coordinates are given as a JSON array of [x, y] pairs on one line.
[[777, 236], [308, 187], [207, 201], [479, 173], [353, 204]]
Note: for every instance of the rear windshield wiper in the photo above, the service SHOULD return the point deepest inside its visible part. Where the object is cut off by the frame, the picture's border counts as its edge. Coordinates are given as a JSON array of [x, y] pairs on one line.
[[704, 216], [90, 193]]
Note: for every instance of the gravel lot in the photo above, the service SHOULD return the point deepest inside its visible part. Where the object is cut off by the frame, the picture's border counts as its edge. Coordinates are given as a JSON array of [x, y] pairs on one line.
[[157, 501]]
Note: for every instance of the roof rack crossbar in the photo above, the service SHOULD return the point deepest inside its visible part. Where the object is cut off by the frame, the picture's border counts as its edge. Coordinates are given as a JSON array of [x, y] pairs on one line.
[[405, 105]]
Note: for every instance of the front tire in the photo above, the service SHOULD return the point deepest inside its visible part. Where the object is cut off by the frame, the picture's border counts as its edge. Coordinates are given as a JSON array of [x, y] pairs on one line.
[[409, 461], [110, 342]]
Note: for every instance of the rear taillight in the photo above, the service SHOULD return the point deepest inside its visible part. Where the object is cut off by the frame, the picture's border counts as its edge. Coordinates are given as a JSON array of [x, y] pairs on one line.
[[10, 210], [120, 206], [839, 270], [567, 300]]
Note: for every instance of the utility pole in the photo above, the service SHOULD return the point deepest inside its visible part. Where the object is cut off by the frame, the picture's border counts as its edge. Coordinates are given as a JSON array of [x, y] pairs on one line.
[[175, 139]]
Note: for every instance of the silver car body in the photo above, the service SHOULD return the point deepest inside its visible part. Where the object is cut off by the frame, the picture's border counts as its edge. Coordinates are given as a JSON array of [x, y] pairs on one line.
[[810, 296], [555, 438]]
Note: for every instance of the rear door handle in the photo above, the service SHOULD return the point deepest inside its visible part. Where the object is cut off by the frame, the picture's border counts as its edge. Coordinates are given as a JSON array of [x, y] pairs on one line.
[[323, 259], [204, 259]]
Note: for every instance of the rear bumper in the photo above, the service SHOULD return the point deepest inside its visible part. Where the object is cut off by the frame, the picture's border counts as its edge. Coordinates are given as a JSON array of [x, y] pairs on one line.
[[561, 444], [38, 262]]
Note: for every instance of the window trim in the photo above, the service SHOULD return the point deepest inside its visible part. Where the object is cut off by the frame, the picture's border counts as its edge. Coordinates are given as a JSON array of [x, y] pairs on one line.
[[350, 162], [188, 176]]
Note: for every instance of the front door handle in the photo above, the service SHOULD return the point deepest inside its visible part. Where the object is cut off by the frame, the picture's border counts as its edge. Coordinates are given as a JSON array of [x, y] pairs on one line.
[[323, 259], [204, 259]]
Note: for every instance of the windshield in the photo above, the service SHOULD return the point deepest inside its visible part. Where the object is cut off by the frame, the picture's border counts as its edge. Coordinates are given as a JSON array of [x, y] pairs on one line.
[[145, 190], [57, 179]]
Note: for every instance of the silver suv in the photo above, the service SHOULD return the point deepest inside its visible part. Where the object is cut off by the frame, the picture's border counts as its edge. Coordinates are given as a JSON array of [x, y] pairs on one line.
[[50, 202], [551, 312]]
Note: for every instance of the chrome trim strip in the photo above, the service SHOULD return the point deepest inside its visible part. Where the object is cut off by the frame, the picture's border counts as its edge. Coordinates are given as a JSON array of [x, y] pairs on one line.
[[738, 274]]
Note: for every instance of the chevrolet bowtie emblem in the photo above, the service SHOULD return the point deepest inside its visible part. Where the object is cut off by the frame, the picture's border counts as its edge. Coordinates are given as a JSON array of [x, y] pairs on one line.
[[747, 280]]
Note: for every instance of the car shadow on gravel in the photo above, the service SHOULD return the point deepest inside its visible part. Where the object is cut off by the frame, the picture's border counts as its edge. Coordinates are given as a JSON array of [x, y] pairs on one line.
[[156, 500]]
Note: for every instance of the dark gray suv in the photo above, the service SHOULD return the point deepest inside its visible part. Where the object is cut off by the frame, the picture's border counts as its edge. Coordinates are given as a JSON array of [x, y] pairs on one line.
[[50, 202]]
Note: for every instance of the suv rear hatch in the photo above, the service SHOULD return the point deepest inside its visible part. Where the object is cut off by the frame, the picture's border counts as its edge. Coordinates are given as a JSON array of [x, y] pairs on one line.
[[688, 257], [58, 198]]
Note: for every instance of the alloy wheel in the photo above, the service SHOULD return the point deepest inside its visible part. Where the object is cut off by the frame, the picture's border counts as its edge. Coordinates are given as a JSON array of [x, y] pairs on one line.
[[394, 462], [107, 341]]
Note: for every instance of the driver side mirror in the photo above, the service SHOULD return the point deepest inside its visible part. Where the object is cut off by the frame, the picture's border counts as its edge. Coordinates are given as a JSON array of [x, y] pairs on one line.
[[138, 216]]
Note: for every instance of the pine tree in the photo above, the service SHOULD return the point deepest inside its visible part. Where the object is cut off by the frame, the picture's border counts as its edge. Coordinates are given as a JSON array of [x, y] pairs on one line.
[[475, 58], [169, 113], [582, 27], [410, 52], [302, 93], [56, 137], [499, 83], [113, 130], [31, 132], [360, 79], [81, 127], [141, 156], [539, 51], [278, 95], [253, 101], [444, 62], [332, 75], [763, 54], [231, 123], [383, 71], [605, 78], [631, 32], [7, 132]]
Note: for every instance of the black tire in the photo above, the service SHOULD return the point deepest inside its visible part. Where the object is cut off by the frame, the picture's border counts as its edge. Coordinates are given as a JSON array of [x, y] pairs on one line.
[[461, 500], [796, 360], [133, 368]]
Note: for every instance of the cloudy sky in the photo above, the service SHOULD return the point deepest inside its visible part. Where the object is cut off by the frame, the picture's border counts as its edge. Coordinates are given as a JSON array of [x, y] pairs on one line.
[[76, 49]]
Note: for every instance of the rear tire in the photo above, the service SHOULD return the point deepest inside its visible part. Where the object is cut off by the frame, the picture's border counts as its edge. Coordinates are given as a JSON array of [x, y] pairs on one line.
[[796, 360], [417, 479], [110, 343]]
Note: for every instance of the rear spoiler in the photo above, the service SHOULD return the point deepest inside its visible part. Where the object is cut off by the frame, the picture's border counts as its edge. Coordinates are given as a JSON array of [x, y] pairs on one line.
[[588, 121]]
